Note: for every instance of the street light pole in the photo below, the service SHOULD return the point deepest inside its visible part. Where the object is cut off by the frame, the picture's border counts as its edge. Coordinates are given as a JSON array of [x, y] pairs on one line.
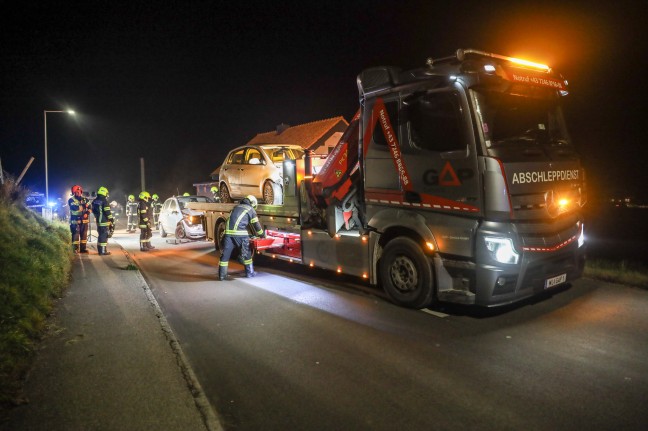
[[71, 112]]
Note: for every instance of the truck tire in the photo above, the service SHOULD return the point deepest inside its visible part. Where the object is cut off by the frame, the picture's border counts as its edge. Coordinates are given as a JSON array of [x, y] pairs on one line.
[[219, 232], [225, 196], [406, 274]]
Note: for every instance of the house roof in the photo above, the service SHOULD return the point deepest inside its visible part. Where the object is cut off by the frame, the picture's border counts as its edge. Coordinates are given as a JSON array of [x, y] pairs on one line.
[[305, 135]]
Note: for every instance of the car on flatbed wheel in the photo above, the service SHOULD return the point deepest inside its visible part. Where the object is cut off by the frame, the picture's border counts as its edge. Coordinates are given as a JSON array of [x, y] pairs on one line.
[[256, 170]]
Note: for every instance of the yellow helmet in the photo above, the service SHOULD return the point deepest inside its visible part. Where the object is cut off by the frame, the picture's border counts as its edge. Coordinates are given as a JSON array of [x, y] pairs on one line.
[[145, 195], [253, 200], [102, 191], [186, 194], [131, 197]]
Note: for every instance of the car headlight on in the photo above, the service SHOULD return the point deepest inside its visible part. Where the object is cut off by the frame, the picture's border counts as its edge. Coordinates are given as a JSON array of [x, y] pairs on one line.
[[501, 249], [191, 219]]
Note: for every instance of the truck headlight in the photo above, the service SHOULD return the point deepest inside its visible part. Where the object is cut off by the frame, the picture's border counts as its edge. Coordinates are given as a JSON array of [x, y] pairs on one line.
[[501, 249]]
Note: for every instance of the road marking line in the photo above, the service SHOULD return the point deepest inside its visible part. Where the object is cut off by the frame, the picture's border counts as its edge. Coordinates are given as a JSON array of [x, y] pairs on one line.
[[434, 313]]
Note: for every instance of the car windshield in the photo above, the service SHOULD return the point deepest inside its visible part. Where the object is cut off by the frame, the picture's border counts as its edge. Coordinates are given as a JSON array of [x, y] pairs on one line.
[[280, 154], [184, 200], [510, 120]]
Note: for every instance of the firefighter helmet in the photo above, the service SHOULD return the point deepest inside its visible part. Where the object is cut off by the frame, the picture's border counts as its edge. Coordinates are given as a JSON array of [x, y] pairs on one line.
[[131, 197], [186, 194], [102, 191], [155, 196], [214, 189], [145, 195], [77, 189], [253, 200]]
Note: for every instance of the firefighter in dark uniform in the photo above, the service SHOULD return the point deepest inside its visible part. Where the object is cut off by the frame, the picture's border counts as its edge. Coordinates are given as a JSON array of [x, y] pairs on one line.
[[131, 214], [215, 193], [104, 218], [157, 207], [237, 236], [79, 219], [145, 211]]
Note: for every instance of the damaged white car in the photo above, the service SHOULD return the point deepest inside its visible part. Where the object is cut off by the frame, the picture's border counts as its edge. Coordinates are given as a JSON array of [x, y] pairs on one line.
[[177, 219]]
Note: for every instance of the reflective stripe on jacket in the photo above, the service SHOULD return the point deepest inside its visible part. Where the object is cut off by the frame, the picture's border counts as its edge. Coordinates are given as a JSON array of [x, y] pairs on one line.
[[240, 218], [78, 208], [145, 212], [101, 210]]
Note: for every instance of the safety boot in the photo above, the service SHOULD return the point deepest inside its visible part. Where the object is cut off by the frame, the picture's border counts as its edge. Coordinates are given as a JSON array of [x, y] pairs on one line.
[[249, 271], [103, 250], [149, 246], [143, 247], [222, 274]]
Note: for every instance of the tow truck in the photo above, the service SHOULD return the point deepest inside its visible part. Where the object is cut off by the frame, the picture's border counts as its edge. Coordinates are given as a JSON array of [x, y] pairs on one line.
[[454, 182]]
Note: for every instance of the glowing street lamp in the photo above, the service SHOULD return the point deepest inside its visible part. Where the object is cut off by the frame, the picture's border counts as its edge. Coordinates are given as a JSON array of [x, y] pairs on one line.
[[71, 112]]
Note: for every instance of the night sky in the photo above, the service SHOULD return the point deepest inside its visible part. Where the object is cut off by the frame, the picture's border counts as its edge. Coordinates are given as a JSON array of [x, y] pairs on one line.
[[181, 83]]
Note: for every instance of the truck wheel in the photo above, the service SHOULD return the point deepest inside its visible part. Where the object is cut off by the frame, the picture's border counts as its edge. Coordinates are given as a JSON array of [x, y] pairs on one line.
[[219, 233], [163, 233], [406, 274], [225, 196], [271, 193]]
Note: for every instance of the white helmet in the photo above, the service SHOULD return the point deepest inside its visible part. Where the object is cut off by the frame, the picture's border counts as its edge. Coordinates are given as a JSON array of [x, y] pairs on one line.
[[253, 200]]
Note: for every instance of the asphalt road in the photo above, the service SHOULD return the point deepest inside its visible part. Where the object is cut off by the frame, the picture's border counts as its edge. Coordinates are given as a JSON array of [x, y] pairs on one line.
[[291, 350]]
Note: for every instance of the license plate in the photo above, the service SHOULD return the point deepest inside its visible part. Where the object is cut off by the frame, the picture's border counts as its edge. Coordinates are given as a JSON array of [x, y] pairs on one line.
[[555, 281]]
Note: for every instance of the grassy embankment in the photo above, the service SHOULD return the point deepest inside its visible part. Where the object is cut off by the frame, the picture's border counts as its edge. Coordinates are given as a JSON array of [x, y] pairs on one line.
[[35, 264], [623, 272]]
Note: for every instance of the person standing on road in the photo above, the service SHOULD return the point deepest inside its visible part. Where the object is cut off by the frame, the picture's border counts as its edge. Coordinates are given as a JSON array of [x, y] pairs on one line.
[[237, 236], [79, 219], [131, 214], [104, 219], [157, 207], [145, 211]]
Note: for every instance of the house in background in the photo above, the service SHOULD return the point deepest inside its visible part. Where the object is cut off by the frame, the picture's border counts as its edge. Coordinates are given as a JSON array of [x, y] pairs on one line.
[[320, 136]]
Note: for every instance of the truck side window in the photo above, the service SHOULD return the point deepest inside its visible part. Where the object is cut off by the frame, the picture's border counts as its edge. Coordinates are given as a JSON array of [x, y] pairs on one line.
[[435, 120], [392, 112]]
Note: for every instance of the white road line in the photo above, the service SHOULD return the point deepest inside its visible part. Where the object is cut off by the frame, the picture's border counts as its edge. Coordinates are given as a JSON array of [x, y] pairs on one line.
[[434, 313]]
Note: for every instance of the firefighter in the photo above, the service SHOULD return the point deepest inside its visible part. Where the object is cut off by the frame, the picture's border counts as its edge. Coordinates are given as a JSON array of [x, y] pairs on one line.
[[104, 218], [79, 219], [131, 214], [157, 207], [145, 211], [237, 236], [215, 194]]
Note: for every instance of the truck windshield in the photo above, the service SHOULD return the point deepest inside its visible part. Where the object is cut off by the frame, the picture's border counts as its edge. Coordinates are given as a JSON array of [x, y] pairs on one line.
[[513, 122]]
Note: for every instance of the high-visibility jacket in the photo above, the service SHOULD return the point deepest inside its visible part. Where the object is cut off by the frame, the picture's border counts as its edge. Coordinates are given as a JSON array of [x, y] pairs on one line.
[[131, 208], [101, 210], [79, 210], [242, 216], [145, 211]]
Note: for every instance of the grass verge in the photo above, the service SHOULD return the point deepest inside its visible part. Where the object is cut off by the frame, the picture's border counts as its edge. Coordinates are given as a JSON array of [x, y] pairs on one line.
[[34, 270], [622, 272]]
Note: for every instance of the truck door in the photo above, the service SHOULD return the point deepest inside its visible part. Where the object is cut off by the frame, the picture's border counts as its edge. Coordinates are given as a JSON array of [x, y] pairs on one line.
[[438, 148]]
